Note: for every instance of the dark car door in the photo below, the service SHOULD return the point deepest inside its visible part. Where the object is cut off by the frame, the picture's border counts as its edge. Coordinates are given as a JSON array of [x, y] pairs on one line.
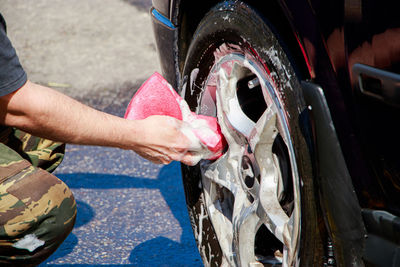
[[372, 43]]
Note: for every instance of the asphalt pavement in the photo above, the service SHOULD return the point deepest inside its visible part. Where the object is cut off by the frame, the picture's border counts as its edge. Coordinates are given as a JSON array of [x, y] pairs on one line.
[[130, 211]]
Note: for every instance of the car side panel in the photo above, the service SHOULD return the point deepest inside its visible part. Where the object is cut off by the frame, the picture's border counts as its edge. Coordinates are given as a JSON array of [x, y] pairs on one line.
[[372, 34]]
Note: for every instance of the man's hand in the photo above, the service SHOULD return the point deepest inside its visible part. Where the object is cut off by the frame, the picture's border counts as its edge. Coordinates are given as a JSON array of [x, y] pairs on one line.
[[161, 140]]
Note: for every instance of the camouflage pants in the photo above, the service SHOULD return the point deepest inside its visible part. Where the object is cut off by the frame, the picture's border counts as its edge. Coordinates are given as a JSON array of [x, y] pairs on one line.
[[37, 210]]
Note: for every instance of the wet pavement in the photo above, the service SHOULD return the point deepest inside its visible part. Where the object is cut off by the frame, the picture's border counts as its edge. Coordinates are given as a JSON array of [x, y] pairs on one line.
[[130, 211]]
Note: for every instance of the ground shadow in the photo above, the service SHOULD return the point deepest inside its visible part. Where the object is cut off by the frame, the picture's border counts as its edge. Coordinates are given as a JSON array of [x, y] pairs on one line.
[[172, 254], [169, 184]]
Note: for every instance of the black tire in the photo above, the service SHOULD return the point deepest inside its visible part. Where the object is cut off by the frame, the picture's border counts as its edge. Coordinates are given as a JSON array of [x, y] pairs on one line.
[[237, 28]]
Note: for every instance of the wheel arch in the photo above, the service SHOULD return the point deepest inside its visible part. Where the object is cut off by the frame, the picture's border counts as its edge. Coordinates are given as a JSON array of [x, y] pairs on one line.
[[188, 14]]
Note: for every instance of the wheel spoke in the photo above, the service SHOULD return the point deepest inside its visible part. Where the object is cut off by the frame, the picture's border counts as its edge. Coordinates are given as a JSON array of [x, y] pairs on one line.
[[263, 137], [266, 121], [276, 219], [223, 172], [219, 210], [245, 225], [230, 112], [221, 187]]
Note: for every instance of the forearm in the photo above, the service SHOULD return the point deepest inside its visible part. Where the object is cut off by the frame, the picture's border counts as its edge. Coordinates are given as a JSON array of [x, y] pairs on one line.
[[47, 113]]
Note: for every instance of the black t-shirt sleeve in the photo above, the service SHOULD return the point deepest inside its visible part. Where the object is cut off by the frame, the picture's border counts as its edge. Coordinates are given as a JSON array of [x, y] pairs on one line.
[[12, 75]]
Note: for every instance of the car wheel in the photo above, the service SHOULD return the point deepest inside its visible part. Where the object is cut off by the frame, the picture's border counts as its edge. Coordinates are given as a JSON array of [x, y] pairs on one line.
[[255, 205]]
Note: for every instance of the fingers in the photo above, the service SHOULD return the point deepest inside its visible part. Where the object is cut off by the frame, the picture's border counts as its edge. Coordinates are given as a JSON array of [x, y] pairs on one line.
[[156, 158], [189, 158], [158, 161], [176, 143]]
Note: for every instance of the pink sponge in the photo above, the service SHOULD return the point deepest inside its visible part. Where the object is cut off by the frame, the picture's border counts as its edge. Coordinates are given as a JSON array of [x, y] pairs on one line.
[[157, 97], [154, 97]]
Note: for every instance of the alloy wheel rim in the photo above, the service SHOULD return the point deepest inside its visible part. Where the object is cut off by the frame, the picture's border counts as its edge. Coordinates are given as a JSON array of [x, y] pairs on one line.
[[252, 185]]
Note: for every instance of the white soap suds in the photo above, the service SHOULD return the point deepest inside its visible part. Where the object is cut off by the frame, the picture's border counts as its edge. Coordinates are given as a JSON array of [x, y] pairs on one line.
[[193, 76], [194, 124]]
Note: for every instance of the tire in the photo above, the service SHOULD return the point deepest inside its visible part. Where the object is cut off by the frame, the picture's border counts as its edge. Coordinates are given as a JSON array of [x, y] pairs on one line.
[[255, 205]]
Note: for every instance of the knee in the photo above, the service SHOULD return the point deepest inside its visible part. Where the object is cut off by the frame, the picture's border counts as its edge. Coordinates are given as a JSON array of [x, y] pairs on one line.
[[43, 214], [57, 218]]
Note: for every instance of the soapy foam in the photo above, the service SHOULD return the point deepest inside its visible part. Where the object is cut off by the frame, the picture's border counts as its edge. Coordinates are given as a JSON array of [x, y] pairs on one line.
[[194, 129]]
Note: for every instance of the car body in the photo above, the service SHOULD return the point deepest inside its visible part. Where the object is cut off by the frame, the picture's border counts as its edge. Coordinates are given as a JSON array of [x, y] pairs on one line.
[[347, 56]]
